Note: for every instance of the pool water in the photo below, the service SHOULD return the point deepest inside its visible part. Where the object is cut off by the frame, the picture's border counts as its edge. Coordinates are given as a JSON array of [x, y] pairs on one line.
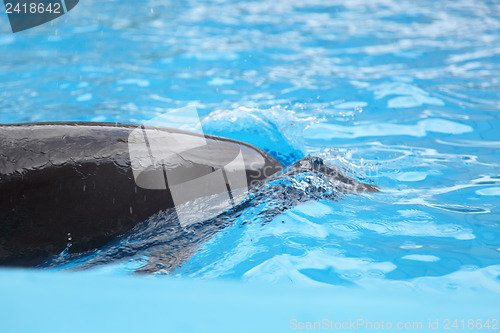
[[401, 94]]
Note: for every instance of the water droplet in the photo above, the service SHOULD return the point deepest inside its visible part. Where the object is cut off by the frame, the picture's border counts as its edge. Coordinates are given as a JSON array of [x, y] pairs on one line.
[[69, 243]]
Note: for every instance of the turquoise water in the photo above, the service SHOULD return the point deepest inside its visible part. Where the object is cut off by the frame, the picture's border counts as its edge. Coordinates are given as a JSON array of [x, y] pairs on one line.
[[402, 94]]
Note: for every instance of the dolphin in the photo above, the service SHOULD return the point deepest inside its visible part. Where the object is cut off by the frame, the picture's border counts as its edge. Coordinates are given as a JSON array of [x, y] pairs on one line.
[[71, 187], [74, 186]]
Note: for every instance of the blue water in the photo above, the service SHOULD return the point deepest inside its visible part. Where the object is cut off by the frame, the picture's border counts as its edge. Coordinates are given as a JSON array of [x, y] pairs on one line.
[[402, 94]]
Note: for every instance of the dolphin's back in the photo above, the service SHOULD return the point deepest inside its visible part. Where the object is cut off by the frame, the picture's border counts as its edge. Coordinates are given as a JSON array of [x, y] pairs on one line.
[[74, 183]]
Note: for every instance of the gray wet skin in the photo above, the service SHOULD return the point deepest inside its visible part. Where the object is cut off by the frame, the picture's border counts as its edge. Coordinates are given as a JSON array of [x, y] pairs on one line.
[[74, 183]]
